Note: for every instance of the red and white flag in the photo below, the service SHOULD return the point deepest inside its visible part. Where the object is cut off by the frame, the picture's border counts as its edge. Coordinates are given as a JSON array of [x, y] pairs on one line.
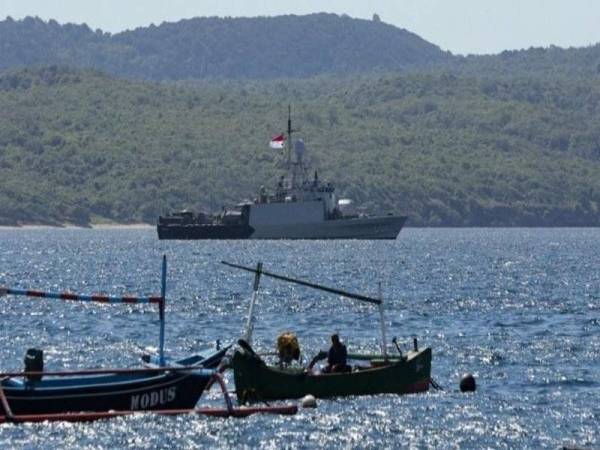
[[277, 141]]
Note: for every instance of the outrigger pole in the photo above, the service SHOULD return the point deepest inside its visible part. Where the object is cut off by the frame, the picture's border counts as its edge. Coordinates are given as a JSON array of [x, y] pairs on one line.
[[161, 312], [376, 301], [79, 297]]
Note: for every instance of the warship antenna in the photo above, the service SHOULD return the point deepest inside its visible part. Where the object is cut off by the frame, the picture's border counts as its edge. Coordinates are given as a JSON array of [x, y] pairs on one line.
[[290, 166]]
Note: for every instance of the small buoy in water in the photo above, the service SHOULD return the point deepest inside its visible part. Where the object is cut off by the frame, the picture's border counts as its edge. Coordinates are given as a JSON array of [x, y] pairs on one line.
[[467, 383], [308, 401]]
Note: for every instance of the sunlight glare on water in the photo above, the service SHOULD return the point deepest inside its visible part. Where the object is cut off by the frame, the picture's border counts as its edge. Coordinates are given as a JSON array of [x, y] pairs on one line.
[[518, 308]]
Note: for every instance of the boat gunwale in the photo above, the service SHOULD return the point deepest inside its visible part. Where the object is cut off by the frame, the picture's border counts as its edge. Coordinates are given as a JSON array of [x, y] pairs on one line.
[[151, 382]]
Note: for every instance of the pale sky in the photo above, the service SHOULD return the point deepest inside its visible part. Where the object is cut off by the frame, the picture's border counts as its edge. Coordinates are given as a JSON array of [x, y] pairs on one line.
[[461, 26]]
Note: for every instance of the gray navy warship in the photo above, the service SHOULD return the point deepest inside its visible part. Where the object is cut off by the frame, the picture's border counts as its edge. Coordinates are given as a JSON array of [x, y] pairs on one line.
[[300, 207]]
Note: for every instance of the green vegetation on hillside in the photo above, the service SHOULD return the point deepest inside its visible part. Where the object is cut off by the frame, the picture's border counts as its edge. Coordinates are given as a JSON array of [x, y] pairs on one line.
[[538, 63], [80, 145]]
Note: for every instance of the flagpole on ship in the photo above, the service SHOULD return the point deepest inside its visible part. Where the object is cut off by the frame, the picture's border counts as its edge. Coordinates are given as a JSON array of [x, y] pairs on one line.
[[289, 140]]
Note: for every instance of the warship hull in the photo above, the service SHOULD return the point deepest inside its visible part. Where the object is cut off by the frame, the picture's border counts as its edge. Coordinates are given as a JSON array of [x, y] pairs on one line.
[[385, 227], [202, 231]]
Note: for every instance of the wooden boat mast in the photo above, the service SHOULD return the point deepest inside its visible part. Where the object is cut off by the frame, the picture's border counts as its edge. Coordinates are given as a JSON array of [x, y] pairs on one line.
[[382, 323], [250, 320], [161, 312]]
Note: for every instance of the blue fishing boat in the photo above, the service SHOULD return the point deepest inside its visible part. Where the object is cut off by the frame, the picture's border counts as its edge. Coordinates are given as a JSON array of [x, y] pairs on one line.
[[121, 391], [161, 385]]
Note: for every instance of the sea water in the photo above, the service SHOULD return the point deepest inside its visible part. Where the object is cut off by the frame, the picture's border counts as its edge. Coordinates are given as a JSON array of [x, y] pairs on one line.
[[518, 308]]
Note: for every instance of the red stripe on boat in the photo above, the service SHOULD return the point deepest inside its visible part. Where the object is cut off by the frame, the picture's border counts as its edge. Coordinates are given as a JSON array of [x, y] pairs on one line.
[[36, 294], [100, 298], [69, 296], [156, 299], [419, 386]]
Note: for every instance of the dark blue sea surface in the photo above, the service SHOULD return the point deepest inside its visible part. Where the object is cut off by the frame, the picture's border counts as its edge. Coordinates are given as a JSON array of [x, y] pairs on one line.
[[518, 308]]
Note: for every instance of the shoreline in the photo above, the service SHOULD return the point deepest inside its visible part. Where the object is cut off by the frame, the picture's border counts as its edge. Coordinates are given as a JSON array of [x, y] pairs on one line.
[[145, 226], [101, 226]]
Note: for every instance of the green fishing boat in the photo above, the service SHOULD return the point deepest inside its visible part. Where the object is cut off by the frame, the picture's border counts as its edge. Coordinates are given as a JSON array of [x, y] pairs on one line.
[[257, 380]]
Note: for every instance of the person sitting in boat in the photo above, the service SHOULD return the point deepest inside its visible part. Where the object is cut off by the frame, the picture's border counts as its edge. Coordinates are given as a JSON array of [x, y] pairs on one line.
[[337, 357]]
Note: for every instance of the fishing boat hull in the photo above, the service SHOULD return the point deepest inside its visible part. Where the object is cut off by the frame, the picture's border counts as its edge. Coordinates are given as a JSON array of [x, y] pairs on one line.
[[256, 381], [119, 392]]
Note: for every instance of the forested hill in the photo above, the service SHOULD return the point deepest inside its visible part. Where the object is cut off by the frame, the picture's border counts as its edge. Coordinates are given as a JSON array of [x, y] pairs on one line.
[[79, 146], [538, 62], [268, 48], [254, 48]]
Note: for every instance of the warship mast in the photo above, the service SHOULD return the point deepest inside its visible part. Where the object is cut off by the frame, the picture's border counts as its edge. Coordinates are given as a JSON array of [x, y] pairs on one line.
[[291, 169], [289, 143]]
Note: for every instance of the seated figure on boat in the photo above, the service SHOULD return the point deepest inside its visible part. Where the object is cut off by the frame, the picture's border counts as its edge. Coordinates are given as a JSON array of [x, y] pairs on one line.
[[337, 357]]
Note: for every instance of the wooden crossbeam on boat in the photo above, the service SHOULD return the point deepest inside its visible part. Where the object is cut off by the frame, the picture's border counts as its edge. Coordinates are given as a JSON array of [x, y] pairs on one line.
[[364, 298]]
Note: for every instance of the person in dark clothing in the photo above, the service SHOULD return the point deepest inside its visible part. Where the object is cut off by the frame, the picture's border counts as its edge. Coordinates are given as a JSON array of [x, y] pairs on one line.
[[336, 357]]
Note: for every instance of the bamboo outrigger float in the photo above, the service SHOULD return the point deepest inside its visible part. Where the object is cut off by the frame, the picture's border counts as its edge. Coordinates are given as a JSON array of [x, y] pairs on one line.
[[255, 380], [86, 395]]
